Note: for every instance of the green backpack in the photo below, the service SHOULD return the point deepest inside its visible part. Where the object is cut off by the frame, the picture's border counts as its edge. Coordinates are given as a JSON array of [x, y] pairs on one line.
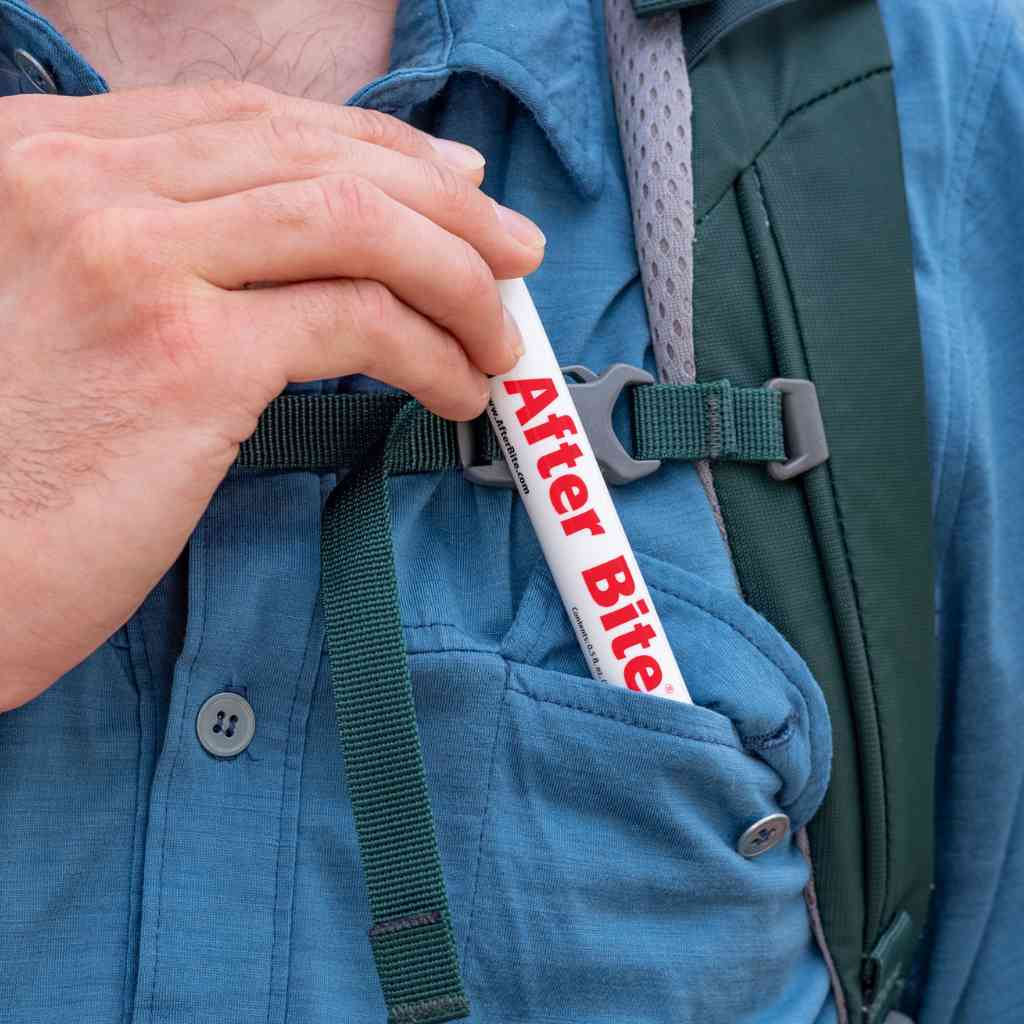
[[803, 271]]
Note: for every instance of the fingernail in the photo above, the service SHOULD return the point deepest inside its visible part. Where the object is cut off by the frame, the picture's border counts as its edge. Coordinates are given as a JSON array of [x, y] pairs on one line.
[[512, 332], [463, 157], [521, 228]]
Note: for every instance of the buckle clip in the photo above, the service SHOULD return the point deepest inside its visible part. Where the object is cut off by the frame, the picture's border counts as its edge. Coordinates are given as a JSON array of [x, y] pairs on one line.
[[595, 397], [806, 443]]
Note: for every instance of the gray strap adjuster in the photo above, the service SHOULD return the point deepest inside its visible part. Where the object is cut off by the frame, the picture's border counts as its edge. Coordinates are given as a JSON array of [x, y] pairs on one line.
[[595, 397], [806, 443]]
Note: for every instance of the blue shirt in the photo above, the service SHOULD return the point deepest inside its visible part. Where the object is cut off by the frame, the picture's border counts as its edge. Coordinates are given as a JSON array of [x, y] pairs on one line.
[[959, 77], [588, 836]]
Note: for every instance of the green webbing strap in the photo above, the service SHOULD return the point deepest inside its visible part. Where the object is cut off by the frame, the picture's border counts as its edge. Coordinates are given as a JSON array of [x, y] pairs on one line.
[[804, 268], [670, 421], [325, 432], [885, 969], [411, 935], [378, 435], [708, 421]]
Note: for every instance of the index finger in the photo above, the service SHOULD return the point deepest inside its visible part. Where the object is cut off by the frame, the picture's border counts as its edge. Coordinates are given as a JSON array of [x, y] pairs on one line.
[[134, 113]]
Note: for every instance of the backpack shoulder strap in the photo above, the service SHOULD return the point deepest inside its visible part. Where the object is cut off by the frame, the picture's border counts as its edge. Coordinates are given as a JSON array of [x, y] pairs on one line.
[[803, 268]]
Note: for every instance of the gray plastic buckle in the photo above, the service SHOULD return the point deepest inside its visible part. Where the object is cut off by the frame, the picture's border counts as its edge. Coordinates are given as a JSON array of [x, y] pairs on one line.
[[595, 397], [806, 443]]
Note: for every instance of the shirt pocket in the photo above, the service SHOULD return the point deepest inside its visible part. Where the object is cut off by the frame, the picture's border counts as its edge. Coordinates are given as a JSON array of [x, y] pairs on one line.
[[609, 885]]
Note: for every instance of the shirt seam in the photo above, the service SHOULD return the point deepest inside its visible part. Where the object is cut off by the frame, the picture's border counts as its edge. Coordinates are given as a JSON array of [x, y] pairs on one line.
[[969, 415], [952, 245], [799, 109], [170, 779]]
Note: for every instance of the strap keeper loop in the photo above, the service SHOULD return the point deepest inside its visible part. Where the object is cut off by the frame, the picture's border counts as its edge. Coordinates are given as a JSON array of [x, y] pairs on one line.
[[806, 443]]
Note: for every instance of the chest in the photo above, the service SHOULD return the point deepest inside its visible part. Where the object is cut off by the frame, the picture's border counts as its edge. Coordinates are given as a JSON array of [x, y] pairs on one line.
[[319, 49]]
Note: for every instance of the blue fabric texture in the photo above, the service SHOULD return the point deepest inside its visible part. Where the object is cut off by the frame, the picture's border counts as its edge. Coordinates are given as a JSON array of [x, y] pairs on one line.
[[959, 75], [588, 835]]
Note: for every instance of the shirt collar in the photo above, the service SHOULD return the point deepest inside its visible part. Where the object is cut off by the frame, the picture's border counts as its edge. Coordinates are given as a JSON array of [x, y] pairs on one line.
[[548, 55]]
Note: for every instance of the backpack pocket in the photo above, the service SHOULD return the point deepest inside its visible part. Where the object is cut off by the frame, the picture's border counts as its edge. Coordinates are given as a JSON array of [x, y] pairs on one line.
[[610, 888]]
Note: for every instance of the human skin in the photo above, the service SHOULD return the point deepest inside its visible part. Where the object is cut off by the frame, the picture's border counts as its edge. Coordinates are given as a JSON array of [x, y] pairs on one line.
[[136, 359], [318, 49]]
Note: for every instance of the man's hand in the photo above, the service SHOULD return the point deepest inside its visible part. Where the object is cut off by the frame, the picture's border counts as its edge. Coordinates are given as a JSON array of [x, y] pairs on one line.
[[133, 359]]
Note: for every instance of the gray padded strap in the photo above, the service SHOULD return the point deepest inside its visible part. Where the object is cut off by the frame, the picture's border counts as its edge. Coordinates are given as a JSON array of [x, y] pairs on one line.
[[652, 102], [653, 105]]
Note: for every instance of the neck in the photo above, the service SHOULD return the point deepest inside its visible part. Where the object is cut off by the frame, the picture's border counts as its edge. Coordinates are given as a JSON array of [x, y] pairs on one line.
[[320, 49]]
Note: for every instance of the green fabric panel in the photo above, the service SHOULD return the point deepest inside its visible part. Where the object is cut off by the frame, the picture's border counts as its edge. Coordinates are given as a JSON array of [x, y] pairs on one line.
[[772, 540], [765, 73], [853, 290], [321, 433], [412, 941], [802, 216]]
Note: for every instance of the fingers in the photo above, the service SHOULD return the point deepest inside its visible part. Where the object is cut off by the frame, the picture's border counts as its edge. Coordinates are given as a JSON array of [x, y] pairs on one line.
[[323, 329], [209, 161], [342, 226], [135, 113]]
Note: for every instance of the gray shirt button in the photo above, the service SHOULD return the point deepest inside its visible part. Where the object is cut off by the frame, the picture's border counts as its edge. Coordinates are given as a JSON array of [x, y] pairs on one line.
[[763, 835], [34, 71], [226, 724]]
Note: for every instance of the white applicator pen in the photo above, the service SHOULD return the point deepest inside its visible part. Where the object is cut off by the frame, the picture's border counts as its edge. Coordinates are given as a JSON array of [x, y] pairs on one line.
[[567, 499]]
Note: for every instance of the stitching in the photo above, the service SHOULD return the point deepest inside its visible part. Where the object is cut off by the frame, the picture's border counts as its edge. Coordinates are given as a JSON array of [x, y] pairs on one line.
[[954, 253], [280, 829], [484, 817], [884, 69], [549, 129], [171, 774], [554, 608], [318, 673], [133, 902], [882, 995], [776, 738], [658, 730], [456, 650], [869, 661], [403, 924], [967, 447]]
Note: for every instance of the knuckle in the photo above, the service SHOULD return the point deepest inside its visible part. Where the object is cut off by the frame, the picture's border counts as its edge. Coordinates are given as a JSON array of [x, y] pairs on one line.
[[103, 249], [51, 148], [227, 97], [384, 130], [451, 361], [448, 189], [170, 319], [450, 380], [152, 315], [373, 310], [30, 165], [350, 203], [292, 141], [317, 310], [474, 280]]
